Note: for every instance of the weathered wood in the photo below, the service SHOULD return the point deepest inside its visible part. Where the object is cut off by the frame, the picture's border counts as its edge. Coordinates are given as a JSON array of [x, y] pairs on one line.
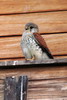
[[48, 22], [55, 88], [22, 88], [16, 90], [45, 82], [23, 6], [51, 89], [24, 62], [34, 73], [49, 79], [10, 46], [46, 89], [1, 89], [10, 88], [49, 82]]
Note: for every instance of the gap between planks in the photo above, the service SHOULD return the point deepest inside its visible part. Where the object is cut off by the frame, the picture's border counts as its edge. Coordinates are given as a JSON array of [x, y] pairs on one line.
[[23, 58]]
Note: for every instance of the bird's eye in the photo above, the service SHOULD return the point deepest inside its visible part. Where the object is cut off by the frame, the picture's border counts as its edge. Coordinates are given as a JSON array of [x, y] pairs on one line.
[[26, 28], [31, 27]]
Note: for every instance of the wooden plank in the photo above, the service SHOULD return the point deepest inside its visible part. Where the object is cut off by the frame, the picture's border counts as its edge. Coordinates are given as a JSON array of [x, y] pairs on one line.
[[37, 73], [44, 82], [1, 89], [57, 57], [10, 88], [48, 82], [55, 89], [24, 6], [56, 43], [48, 22], [31, 63], [45, 89], [15, 90], [10, 46]]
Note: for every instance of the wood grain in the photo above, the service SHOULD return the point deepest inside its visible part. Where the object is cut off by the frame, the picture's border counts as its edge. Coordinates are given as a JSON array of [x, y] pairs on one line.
[[48, 22], [1, 89], [24, 6], [38, 90], [10, 46], [49, 82], [36, 73], [10, 88], [12, 64], [57, 43], [45, 89], [44, 82]]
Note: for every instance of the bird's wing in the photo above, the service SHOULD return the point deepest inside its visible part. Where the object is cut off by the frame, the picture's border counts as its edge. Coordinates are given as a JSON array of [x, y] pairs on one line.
[[41, 42]]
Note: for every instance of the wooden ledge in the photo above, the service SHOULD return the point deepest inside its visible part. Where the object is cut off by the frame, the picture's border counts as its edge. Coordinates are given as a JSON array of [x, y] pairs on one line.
[[24, 62]]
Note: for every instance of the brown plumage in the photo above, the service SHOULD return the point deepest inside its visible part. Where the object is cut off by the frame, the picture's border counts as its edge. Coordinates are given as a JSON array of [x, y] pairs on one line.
[[42, 44]]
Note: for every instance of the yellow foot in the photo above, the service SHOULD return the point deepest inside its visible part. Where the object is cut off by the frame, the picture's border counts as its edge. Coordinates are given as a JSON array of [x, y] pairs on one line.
[[32, 59]]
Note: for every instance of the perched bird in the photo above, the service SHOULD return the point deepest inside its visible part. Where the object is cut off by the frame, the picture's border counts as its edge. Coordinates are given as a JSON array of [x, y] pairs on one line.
[[33, 45]]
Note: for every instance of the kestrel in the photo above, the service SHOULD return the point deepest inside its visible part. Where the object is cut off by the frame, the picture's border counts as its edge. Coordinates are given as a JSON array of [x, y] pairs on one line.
[[33, 45]]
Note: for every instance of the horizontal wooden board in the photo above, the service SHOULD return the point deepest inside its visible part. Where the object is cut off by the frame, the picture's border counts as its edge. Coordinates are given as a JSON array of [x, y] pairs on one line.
[[7, 64], [48, 89], [57, 43], [37, 73], [10, 46], [24, 6], [48, 22]]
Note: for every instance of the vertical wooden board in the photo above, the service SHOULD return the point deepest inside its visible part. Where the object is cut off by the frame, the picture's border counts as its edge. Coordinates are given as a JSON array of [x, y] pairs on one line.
[[22, 85], [10, 88], [1, 89]]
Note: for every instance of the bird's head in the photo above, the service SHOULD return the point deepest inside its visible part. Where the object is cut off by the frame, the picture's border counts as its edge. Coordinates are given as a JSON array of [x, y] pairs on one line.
[[31, 27]]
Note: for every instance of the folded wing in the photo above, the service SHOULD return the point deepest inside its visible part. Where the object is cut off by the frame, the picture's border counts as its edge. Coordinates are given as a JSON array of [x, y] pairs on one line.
[[41, 42]]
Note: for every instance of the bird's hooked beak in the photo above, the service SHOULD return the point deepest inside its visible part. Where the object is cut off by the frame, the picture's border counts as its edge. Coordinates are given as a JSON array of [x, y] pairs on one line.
[[27, 29]]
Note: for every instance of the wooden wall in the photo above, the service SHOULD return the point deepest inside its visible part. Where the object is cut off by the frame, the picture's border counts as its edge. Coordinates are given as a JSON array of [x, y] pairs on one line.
[[49, 15], [45, 82]]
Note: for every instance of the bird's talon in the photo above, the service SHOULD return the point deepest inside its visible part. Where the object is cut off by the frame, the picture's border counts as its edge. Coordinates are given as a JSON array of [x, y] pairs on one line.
[[32, 59]]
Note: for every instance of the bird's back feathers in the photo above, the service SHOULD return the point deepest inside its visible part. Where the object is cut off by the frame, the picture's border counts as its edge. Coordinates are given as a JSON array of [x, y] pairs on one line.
[[41, 42]]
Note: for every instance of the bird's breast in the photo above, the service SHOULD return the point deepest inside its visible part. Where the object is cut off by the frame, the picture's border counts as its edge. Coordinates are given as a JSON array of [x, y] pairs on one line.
[[30, 43], [33, 46]]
